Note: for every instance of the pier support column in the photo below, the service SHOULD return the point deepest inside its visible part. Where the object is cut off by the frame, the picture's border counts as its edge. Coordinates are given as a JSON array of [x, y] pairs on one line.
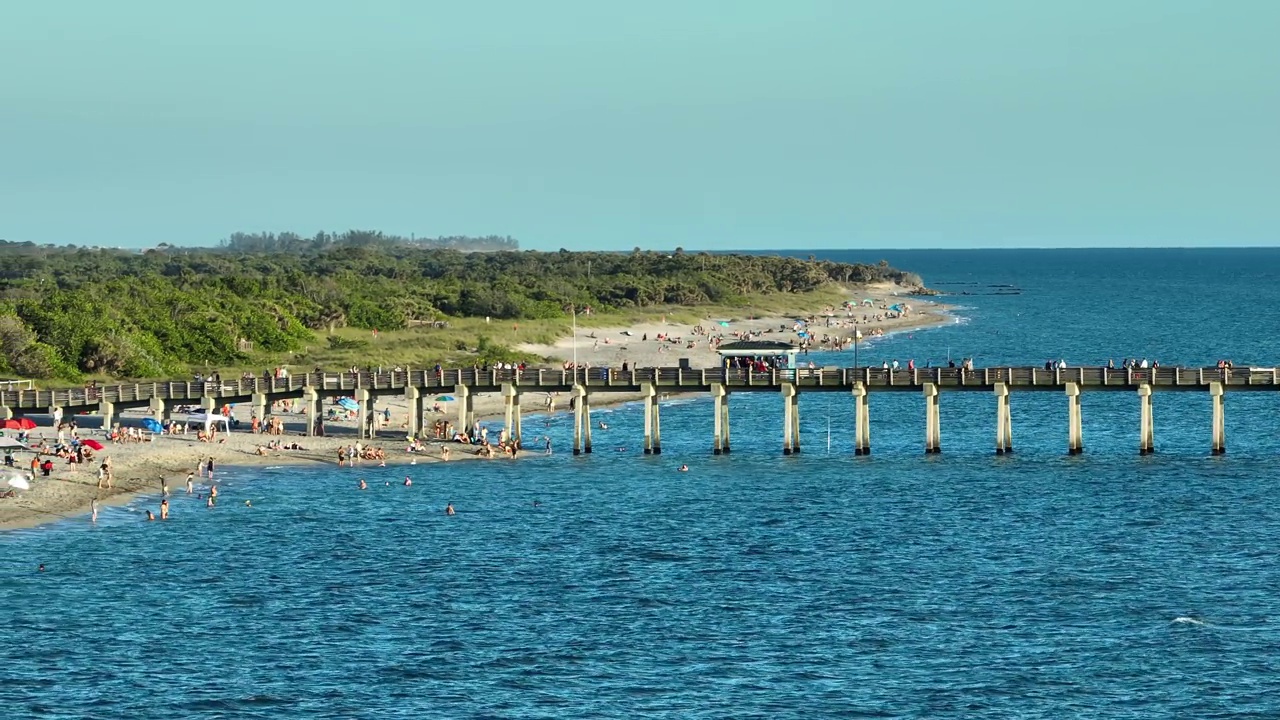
[[1004, 420], [584, 402], [724, 423], [1146, 428], [790, 419], [647, 390], [1075, 421], [861, 419], [517, 423], [511, 409], [413, 398], [581, 421], [466, 408], [6, 413], [657, 424], [932, 420], [364, 413], [260, 404], [209, 404], [156, 406], [720, 397], [311, 406], [1218, 395], [108, 412]]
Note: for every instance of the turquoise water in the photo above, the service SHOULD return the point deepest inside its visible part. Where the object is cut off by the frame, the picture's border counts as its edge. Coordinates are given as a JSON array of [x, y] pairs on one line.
[[956, 586]]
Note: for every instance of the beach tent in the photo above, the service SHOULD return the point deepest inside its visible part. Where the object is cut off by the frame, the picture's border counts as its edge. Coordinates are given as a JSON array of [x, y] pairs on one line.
[[152, 424]]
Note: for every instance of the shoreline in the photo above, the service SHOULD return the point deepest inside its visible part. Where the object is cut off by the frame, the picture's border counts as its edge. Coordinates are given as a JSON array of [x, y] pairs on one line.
[[70, 490]]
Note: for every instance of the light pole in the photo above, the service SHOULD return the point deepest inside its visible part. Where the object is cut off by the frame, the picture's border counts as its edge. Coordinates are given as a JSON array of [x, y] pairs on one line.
[[857, 335]]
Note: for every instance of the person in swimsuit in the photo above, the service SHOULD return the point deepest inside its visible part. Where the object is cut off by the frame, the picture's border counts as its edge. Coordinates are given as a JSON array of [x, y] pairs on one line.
[[448, 509]]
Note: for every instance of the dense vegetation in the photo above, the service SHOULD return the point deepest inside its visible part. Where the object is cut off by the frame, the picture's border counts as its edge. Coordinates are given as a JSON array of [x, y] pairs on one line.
[[65, 311]]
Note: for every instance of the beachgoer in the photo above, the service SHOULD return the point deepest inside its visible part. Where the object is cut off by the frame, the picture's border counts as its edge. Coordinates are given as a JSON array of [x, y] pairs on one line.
[[448, 509], [363, 486], [190, 483], [248, 503], [164, 509], [210, 467], [151, 515], [94, 507], [407, 481], [684, 468]]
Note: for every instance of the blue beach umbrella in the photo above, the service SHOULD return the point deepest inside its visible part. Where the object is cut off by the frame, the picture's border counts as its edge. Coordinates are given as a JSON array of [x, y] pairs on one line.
[[444, 398], [348, 404], [153, 425]]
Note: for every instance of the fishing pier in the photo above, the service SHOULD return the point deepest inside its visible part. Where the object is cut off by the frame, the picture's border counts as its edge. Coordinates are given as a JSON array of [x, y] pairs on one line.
[[721, 383]]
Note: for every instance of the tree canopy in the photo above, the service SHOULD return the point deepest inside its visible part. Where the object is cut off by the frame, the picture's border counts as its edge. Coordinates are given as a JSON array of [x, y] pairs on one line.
[[65, 311]]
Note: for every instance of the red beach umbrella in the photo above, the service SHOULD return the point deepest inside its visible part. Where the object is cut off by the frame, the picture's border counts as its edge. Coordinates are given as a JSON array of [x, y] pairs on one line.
[[91, 443], [27, 423], [12, 424]]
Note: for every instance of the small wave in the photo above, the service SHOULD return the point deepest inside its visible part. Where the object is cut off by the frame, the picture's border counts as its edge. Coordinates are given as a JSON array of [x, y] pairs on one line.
[[1189, 620]]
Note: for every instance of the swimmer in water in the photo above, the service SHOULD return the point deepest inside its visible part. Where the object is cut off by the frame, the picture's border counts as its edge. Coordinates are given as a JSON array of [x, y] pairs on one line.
[[603, 426], [407, 481], [448, 509], [537, 503], [41, 568], [362, 484], [190, 483], [248, 503], [208, 502], [684, 468], [151, 515], [164, 509]]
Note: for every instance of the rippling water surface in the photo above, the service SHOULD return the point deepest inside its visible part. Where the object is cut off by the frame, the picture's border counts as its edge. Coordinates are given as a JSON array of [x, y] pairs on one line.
[[955, 586]]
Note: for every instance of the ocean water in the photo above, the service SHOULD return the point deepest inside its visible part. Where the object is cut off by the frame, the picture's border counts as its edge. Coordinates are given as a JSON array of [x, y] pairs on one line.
[[963, 585]]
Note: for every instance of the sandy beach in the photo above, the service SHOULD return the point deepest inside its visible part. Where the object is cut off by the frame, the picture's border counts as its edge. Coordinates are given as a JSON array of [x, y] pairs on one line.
[[142, 467]]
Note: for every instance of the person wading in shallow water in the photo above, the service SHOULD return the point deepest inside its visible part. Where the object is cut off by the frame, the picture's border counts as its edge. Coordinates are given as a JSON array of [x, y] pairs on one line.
[[448, 509]]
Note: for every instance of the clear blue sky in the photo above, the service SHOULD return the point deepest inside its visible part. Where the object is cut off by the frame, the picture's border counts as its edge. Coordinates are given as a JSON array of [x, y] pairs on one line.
[[597, 124]]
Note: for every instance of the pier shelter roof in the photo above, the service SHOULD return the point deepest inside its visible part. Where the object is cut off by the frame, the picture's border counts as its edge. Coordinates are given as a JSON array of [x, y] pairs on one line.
[[757, 348]]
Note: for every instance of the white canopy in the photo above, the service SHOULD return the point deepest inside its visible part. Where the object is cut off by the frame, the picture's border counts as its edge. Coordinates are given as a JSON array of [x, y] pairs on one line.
[[8, 443], [209, 420]]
